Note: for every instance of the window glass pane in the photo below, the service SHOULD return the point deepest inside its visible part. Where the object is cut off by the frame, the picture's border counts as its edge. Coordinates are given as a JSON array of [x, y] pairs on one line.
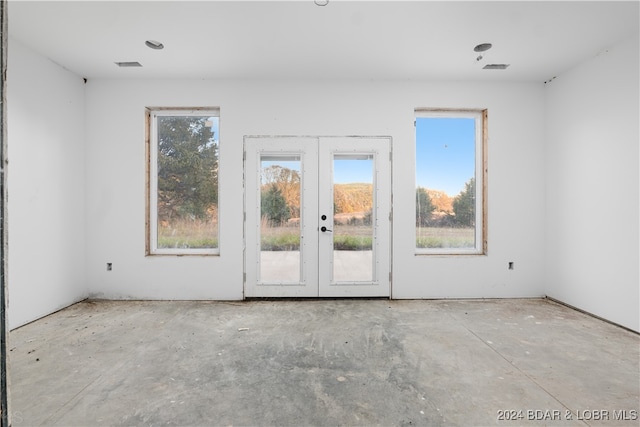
[[352, 219], [445, 176], [187, 182], [280, 219]]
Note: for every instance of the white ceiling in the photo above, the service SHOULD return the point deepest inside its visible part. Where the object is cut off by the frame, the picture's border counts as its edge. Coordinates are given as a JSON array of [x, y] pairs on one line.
[[345, 39]]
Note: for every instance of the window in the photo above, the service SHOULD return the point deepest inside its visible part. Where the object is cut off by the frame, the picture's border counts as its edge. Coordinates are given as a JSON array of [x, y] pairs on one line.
[[450, 181], [182, 151]]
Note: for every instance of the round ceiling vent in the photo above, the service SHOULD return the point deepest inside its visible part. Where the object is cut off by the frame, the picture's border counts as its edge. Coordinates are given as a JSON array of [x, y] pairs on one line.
[[483, 47]]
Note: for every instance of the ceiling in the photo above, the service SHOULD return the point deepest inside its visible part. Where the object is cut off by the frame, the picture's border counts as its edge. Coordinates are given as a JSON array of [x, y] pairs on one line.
[[412, 40]]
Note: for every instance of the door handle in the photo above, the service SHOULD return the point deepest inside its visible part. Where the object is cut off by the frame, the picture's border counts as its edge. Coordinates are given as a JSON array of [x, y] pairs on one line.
[[325, 229]]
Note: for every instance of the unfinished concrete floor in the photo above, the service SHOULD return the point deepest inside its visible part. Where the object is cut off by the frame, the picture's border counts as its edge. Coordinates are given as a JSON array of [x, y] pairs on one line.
[[324, 363]]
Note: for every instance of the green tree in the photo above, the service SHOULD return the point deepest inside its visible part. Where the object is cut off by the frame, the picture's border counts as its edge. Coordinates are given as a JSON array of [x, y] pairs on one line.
[[424, 207], [288, 182], [464, 205], [273, 205], [187, 168]]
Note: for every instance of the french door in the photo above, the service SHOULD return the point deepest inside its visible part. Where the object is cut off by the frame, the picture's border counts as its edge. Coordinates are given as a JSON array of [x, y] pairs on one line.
[[317, 216]]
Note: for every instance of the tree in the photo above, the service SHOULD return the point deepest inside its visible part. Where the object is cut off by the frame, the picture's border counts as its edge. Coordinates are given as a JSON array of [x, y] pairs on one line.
[[424, 207], [187, 168], [273, 205], [464, 205], [353, 197], [288, 182], [368, 217]]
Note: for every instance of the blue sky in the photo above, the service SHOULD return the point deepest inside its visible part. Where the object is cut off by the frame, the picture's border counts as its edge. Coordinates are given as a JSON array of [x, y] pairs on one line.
[[288, 164], [445, 156], [344, 171], [445, 153], [352, 171], [215, 127]]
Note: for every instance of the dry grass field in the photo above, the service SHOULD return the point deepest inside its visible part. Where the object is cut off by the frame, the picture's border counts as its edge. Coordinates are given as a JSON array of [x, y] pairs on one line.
[[204, 234], [445, 237], [183, 233]]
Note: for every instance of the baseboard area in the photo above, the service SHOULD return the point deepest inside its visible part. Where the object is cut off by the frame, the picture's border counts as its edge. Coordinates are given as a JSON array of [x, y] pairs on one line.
[[573, 307]]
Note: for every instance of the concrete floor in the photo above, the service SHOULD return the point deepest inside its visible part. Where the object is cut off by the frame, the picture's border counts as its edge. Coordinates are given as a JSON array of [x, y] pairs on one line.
[[323, 362]]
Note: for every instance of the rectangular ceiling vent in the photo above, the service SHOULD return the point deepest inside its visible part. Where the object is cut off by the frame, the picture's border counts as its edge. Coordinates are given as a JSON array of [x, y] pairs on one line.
[[129, 64], [495, 67]]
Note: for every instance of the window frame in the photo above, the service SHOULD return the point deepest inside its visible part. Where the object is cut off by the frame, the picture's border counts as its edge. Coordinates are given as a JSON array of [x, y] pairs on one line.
[[481, 172], [151, 181]]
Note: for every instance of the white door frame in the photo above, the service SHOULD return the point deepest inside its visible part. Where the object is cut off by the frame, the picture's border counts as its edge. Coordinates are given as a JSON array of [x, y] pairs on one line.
[[316, 159]]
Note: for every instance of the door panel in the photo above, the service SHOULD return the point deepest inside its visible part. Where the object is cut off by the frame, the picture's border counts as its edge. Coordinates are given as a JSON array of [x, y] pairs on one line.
[[280, 251], [317, 216], [354, 184]]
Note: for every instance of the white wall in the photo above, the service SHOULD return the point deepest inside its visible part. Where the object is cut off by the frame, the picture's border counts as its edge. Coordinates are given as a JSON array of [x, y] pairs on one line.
[[115, 201], [45, 132], [592, 117], [565, 211]]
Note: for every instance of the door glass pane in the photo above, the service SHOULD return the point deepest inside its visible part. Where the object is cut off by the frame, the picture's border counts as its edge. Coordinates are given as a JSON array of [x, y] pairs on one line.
[[280, 219], [353, 231]]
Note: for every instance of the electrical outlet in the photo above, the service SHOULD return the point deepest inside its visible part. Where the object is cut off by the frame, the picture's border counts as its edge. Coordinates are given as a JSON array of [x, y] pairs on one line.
[[109, 266]]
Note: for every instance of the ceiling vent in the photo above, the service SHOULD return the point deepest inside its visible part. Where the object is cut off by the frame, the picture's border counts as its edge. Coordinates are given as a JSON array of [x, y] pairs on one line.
[[128, 64], [482, 47], [154, 44], [495, 67]]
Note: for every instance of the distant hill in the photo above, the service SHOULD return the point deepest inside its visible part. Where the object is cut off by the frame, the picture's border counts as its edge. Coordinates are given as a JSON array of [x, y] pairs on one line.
[[356, 198], [351, 198]]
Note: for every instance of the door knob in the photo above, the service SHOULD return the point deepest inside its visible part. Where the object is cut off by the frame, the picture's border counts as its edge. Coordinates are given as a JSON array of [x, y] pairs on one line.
[[324, 229]]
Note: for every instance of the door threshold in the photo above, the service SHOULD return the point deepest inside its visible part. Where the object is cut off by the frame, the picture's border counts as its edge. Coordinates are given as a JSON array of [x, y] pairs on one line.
[[314, 298]]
